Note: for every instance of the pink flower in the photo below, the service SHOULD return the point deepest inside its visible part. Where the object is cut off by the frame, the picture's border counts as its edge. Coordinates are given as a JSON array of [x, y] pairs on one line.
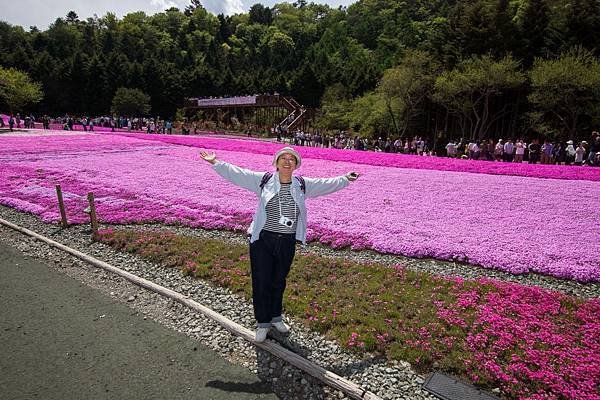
[[415, 206]]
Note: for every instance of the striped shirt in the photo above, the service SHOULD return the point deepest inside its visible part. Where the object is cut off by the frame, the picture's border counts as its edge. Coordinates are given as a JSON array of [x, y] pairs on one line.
[[288, 209]]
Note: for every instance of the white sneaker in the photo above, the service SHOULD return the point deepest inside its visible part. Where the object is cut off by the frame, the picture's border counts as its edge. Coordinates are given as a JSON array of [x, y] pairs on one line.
[[281, 327], [261, 335]]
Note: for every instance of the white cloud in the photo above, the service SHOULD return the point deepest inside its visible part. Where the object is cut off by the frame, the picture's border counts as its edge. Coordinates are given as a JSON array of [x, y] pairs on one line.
[[227, 7], [234, 7], [163, 4]]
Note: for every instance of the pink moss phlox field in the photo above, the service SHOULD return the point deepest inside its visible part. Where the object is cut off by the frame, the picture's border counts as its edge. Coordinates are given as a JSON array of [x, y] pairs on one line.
[[515, 224], [388, 159], [528, 334]]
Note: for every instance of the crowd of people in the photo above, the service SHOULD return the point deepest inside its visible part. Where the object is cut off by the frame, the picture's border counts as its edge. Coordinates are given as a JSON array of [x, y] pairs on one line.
[[150, 125], [343, 140], [520, 150], [15, 121], [546, 152], [69, 123]]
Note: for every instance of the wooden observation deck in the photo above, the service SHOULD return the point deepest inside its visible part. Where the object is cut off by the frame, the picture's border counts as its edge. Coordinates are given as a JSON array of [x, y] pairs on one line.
[[265, 111]]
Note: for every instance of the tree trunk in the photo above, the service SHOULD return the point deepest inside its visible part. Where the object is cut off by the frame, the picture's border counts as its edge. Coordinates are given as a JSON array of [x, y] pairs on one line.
[[389, 107], [486, 113], [573, 129]]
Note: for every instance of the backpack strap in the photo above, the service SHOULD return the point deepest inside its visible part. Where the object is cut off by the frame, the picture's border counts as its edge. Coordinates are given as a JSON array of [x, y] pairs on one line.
[[302, 183], [268, 175]]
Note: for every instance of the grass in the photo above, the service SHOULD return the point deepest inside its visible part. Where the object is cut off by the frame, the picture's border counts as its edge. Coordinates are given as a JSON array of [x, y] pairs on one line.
[[479, 330]]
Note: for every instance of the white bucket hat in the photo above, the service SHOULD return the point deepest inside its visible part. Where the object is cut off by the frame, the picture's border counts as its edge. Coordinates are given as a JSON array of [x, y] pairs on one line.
[[289, 150]]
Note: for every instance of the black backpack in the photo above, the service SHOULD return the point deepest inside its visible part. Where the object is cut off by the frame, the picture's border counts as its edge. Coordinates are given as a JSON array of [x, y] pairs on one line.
[[267, 176]]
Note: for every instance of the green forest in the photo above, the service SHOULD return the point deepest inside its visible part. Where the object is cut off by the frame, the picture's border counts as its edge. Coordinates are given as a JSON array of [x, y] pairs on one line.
[[474, 68]]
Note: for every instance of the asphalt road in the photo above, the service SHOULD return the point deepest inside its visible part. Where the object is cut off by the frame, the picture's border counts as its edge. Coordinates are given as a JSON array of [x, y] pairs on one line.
[[59, 339]]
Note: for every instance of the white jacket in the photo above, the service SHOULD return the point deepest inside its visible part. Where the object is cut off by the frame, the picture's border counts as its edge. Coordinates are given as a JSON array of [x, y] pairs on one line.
[[251, 180]]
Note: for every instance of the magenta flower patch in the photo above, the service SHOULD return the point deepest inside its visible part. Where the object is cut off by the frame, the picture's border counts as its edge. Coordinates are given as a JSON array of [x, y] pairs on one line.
[[386, 159], [517, 224]]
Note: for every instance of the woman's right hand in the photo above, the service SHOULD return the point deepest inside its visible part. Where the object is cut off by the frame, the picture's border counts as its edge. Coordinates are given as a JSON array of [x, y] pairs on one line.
[[210, 157]]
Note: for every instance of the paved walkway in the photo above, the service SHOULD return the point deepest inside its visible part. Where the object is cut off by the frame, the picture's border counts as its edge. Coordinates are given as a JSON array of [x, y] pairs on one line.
[[60, 339]]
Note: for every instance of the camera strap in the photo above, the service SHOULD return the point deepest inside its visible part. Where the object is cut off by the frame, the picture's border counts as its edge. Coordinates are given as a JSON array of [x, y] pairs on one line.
[[281, 209]]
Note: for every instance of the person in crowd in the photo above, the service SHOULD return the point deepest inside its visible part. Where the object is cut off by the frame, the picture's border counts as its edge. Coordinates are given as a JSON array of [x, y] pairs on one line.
[[460, 148], [594, 149], [310, 139], [499, 150], [546, 152], [476, 151], [483, 150], [586, 146], [519, 151], [509, 149], [319, 139], [569, 153], [11, 122], [491, 150], [451, 149], [413, 145], [362, 144], [347, 143], [280, 220], [534, 151], [376, 145], [473, 150], [388, 146], [558, 154], [420, 146], [398, 145], [579, 154], [470, 150]]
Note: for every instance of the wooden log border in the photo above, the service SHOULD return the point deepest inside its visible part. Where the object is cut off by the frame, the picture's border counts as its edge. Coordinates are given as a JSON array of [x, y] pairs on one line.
[[61, 206], [93, 219], [327, 377]]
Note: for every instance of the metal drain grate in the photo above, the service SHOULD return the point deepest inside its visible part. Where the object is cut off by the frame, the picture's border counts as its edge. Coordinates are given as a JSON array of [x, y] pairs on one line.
[[447, 388]]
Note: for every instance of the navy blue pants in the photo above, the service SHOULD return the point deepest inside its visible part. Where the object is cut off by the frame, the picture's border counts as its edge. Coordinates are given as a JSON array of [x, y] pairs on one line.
[[271, 257]]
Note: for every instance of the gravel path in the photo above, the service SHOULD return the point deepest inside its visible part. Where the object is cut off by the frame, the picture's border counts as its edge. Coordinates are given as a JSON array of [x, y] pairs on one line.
[[389, 380], [80, 344], [395, 380]]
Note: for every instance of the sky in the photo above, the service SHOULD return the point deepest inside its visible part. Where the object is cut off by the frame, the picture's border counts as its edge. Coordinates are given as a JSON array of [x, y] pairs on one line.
[[42, 13]]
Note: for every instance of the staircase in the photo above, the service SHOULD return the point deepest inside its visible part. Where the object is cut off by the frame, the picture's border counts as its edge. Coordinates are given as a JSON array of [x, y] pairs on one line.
[[297, 113]]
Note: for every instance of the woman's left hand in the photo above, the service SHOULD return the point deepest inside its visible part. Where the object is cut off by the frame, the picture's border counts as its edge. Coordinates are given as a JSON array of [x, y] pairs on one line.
[[352, 176]]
